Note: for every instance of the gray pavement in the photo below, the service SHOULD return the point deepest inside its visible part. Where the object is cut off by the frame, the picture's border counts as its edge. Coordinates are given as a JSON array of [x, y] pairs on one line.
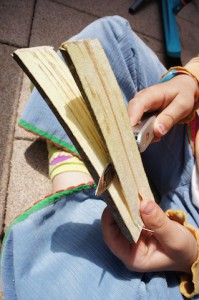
[[25, 23]]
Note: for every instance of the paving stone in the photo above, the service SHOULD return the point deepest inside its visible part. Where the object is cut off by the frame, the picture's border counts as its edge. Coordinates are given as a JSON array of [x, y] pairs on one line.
[[189, 40], [188, 23], [190, 12], [48, 13], [10, 83], [24, 95], [29, 177], [54, 23], [146, 20], [15, 21]]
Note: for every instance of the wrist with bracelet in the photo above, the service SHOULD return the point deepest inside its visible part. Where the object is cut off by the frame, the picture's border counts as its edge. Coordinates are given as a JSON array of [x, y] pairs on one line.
[[189, 286], [175, 71]]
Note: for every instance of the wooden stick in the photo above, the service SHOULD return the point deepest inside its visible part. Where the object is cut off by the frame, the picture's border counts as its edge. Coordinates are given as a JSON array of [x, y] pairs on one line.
[[98, 85]]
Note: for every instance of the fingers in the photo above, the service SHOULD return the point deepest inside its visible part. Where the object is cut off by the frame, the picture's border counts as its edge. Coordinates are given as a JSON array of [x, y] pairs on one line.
[[150, 99], [170, 247], [171, 115], [166, 231], [173, 100], [113, 236], [154, 219], [175, 240], [119, 245]]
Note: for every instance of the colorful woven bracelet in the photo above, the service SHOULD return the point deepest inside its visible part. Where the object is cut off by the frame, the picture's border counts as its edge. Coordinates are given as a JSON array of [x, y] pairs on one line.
[[175, 71]]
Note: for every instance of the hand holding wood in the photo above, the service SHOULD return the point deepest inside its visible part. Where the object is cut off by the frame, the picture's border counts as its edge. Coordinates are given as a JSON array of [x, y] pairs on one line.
[[171, 247]]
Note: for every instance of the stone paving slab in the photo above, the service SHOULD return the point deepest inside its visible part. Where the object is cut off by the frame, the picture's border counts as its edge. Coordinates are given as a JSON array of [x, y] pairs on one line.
[[20, 133], [190, 13], [188, 22], [72, 21], [29, 177], [15, 21], [54, 23], [147, 20], [189, 40], [10, 84]]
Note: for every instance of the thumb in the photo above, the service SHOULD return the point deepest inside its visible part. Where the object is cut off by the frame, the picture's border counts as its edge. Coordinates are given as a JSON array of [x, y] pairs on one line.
[[163, 124], [155, 219]]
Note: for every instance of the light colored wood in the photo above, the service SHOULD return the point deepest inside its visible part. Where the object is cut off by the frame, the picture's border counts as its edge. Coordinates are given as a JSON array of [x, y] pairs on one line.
[[100, 89], [102, 93]]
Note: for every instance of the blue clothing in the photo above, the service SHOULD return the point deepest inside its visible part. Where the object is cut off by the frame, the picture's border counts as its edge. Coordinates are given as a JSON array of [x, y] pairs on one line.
[[56, 249]]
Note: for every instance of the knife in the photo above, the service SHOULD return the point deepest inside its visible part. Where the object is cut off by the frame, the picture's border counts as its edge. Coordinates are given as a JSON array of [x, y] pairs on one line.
[[144, 135]]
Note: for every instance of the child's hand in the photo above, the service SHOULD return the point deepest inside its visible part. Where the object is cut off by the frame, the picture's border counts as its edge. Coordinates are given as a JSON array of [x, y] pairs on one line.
[[174, 100], [171, 247]]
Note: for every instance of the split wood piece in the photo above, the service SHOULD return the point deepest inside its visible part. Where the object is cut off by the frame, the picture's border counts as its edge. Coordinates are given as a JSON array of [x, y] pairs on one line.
[[54, 81], [98, 85]]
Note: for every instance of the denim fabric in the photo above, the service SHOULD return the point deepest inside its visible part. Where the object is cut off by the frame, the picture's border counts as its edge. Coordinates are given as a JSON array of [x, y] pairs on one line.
[[58, 252]]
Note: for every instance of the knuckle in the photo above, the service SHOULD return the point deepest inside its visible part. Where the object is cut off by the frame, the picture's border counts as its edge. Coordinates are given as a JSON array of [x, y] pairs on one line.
[[162, 223], [167, 119], [182, 240], [185, 107], [155, 91]]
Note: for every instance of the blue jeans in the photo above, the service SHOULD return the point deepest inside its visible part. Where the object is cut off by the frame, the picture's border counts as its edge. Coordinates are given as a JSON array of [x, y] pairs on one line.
[[56, 249]]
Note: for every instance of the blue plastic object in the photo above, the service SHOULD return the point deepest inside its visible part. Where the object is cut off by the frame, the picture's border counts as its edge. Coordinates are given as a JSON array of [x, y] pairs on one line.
[[169, 11], [168, 76]]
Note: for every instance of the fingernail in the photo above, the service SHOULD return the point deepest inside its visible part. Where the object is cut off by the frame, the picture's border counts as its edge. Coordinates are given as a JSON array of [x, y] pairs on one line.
[[147, 207], [161, 129]]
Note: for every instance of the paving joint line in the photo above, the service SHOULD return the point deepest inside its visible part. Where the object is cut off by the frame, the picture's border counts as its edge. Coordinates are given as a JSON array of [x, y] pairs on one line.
[[3, 42], [77, 9], [99, 16], [31, 25]]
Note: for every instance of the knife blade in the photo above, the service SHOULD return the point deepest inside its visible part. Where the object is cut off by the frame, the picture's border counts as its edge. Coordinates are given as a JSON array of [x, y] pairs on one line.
[[144, 135]]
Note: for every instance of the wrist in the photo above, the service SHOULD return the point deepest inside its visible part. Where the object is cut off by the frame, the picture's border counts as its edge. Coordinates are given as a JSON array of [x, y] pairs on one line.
[[175, 71], [189, 285], [190, 84]]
